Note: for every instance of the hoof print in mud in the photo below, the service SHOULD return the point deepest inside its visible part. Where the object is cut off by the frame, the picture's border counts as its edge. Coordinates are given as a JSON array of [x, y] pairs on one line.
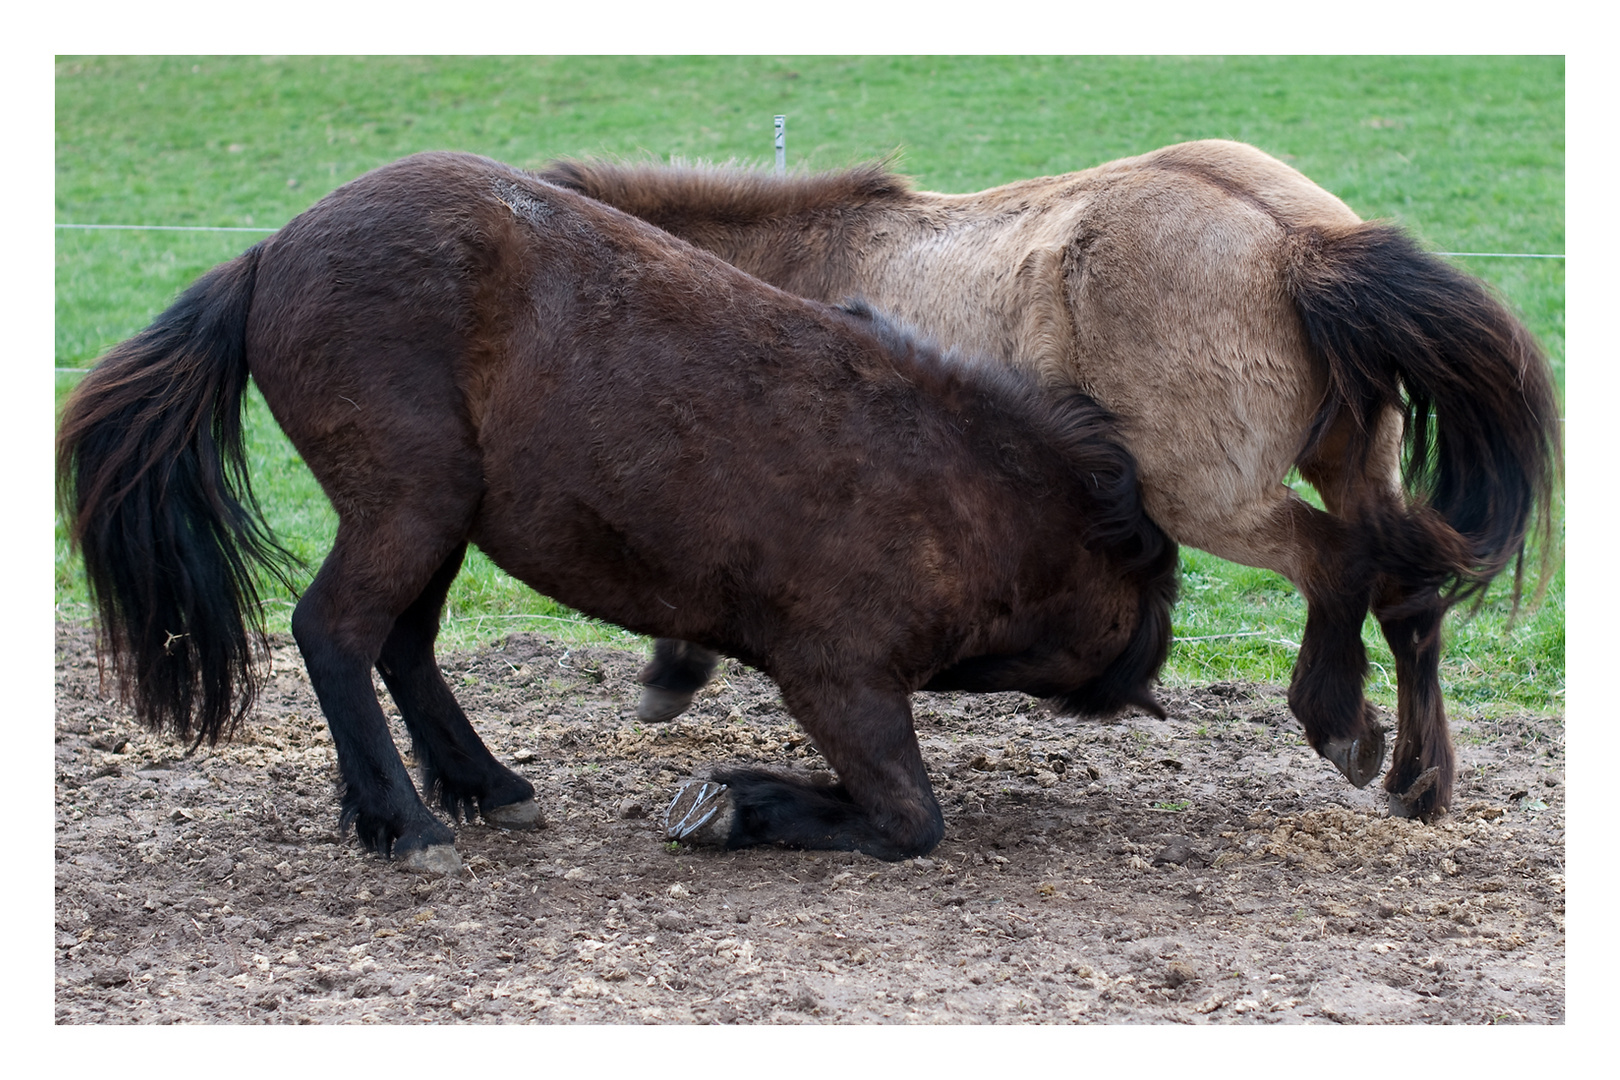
[[433, 859], [700, 813]]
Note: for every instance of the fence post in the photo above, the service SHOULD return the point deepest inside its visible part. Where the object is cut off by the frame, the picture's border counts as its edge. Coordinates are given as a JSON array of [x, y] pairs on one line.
[[781, 144]]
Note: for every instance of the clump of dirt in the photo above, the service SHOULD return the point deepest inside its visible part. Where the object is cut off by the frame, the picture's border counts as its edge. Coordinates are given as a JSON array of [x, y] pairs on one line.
[[1208, 868]]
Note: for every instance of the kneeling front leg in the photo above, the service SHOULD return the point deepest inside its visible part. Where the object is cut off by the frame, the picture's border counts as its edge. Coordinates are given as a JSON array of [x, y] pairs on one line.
[[883, 804]]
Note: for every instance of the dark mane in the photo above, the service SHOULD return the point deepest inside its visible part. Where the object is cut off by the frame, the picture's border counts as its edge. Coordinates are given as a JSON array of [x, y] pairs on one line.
[[1012, 407], [730, 194]]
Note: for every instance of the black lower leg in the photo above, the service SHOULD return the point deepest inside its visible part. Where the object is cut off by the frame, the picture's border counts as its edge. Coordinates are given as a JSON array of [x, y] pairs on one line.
[[378, 798], [1422, 773], [773, 809], [1325, 693], [679, 666], [458, 771], [884, 805], [1326, 690]]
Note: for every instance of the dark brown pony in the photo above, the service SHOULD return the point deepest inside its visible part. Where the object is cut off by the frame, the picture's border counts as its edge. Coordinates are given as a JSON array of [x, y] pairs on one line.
[[1239, 321], [465, 354]]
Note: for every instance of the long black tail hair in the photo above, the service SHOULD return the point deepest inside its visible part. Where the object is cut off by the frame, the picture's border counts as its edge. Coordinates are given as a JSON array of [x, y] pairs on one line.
[[152, 479], [1401, 328]]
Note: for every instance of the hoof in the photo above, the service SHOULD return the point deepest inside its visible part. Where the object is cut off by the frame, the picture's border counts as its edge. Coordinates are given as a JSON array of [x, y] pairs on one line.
[[1358, 759], [518, 816], [657, 706], [1409, 803], [700, 813], [433, 859]]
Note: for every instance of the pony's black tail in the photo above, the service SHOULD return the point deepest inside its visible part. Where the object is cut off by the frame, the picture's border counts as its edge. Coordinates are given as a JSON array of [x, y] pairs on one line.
[[153, 482], [1399, 327]]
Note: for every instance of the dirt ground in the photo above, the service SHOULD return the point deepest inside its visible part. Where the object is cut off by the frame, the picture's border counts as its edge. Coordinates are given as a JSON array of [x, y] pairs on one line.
[[1204, 869]]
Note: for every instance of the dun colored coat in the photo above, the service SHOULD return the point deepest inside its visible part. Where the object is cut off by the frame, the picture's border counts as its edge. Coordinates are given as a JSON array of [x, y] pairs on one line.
[[465, 354], [1239, 321]]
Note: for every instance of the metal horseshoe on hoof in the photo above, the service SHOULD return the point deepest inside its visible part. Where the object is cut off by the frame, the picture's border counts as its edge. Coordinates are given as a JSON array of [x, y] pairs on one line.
[[1360, 759], [704, 805], [1404, 805], [433, 860]]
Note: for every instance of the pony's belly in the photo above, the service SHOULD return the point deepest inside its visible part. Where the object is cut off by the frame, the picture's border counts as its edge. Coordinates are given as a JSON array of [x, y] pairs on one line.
[[581, 560]]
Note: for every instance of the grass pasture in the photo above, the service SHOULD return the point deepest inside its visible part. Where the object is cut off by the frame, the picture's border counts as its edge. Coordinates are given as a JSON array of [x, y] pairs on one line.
[[1467, 152]]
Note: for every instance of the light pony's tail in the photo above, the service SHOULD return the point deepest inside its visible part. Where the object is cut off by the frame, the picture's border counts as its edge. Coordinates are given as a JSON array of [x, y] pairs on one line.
[[1401, 328]]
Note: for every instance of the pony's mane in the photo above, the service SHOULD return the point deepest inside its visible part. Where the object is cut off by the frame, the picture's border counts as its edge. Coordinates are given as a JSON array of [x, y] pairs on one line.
[[729, 192], [1083, 432]]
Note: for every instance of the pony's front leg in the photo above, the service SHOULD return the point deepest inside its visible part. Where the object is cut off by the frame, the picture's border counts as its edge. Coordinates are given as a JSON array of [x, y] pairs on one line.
[[677, 671], [340, 624], [882, 804]]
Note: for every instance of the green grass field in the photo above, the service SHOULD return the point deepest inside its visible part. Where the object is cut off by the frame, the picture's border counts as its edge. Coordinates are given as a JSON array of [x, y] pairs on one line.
[[1467, 152]]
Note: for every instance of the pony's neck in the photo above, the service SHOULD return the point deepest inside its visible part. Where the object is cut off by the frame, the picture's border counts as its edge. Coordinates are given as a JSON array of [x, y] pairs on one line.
[[800, 233]]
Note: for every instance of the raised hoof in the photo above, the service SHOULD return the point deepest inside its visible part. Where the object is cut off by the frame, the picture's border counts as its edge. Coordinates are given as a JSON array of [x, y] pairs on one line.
[[516, 816], [433, 859], [657, 706], [700, 813], [1409, 803], [1360, 760]]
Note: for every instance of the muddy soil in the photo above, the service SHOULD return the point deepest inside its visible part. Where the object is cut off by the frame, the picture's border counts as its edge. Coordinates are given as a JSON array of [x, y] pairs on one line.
[[1204, 869]]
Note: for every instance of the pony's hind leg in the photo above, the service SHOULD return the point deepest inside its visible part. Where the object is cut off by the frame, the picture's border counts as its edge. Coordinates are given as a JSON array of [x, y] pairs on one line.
[[1325, 693], [1403, 558], [1424, 766], [373, 574], [1324, 556], [882, 804], [457, 768], [677, 671]]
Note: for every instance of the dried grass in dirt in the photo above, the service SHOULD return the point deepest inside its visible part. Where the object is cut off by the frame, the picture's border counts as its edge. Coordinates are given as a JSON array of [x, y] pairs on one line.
[[1204, 869]]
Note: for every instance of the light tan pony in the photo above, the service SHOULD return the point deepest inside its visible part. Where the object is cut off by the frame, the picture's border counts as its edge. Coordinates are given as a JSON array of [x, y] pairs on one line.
[[1239, 320]]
